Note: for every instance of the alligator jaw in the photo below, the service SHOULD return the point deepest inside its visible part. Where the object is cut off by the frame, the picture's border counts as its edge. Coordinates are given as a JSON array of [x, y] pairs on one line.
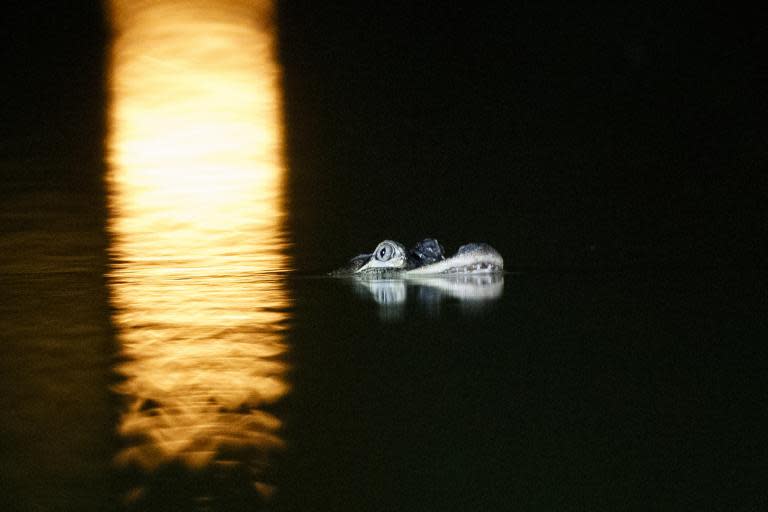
[[484, 261]]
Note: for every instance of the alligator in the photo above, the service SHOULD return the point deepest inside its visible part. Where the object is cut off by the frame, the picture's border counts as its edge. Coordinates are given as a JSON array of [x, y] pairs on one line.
[[391, 259]]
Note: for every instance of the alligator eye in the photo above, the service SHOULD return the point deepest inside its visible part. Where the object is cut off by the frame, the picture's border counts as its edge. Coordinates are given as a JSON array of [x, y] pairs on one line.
[[384, 252]]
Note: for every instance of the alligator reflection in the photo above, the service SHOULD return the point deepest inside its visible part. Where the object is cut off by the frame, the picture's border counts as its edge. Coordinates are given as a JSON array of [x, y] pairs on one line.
[[195, 182], [473, 292]]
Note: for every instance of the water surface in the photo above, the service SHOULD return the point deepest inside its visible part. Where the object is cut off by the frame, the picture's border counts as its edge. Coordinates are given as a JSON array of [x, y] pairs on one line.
[[170, 340], [195, 188]]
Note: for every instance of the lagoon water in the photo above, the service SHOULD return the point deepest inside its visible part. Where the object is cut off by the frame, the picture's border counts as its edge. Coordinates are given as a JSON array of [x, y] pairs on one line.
[[167, 383], [170, 338]]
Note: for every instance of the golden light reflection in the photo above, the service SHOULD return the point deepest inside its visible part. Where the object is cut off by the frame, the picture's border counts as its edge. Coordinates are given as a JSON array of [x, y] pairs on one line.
[[196, 215]]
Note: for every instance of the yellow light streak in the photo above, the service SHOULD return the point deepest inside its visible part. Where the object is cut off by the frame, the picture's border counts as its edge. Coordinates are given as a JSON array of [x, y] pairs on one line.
[[196, 182]]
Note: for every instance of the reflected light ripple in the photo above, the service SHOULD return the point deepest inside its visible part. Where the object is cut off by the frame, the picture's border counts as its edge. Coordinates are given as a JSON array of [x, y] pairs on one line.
[[196, 182]]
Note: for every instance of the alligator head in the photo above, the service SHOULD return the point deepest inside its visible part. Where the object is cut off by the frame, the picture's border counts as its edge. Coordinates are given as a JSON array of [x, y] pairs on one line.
[[390, 258]]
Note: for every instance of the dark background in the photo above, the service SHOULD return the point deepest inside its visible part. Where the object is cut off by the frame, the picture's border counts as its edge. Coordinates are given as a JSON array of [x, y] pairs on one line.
[[576, 139], [53, 71], [568, 136]]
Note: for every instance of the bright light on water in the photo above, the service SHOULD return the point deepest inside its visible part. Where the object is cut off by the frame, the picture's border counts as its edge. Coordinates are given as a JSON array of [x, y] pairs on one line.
[[196, 214]]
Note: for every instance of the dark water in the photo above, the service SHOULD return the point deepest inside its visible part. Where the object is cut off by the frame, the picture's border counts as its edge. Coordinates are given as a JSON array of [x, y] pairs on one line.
[[590, 390], [616, 366]]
